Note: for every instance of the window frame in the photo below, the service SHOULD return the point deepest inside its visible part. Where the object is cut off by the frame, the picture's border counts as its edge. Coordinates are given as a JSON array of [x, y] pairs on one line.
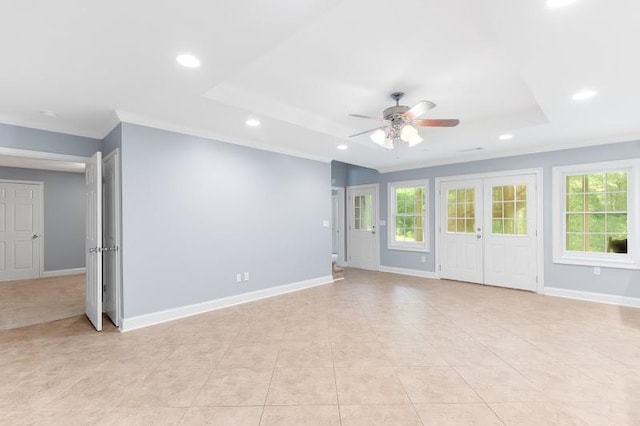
[[630, 260], [392, 244]]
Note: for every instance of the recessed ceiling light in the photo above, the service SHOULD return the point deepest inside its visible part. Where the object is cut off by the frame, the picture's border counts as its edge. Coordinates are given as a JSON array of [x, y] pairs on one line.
[[252, 122], [556, 4], [506, 137], [188, 61], [342, 147], [48, 113], [583, 95]]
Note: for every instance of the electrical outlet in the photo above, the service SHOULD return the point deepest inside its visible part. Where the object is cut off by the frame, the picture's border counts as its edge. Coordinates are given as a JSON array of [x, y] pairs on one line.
[[246, 276], [238, 278], [596, 270]]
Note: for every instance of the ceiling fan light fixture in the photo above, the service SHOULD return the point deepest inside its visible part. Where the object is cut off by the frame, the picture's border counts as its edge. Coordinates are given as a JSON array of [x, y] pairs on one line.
[[388, 144], [408, 132], [379, 137], [415, 140]]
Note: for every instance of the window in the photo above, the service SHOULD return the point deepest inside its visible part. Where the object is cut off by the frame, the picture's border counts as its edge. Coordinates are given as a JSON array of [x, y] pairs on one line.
[[408, 216], [509, 210], [362, 212], [596, 214], [461, 211]]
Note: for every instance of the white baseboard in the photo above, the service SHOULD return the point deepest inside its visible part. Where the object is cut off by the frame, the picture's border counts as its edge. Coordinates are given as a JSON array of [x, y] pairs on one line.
[[63, 272], [411, 272], [140, 321], [593, 297]]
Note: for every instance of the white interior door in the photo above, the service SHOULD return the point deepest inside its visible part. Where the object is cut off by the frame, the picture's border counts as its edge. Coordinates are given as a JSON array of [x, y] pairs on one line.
[[93, 190], [111, 238], [363, 239], [461, 232], [20, 229], [510, 232], [488, 231]]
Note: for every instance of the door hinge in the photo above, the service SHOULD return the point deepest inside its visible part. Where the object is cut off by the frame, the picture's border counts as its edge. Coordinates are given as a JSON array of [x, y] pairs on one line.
[[536, 279], [440, 267]]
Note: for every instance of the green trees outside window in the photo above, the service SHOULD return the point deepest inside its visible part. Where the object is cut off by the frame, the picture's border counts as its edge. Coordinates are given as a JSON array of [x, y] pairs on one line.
[[595, 211]]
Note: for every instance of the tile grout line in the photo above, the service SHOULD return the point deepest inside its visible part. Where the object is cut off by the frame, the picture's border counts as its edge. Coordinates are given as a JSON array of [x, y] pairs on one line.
[[479, 396]]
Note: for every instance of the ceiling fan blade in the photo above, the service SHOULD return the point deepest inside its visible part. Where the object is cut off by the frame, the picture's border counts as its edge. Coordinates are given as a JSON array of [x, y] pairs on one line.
[[366, 116], [366, 131], [419, 109], [437, 123]]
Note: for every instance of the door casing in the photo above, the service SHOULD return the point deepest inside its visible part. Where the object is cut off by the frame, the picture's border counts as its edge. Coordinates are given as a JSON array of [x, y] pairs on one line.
[[342, 257], [114, 288], [538, 172]]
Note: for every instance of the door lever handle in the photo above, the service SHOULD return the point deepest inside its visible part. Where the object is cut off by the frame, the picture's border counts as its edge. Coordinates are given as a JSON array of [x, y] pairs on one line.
[[35, 236]]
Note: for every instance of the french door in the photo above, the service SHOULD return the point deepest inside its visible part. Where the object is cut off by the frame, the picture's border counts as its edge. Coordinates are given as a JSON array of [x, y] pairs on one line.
[[363, 238], [93, 193], [488, 231]]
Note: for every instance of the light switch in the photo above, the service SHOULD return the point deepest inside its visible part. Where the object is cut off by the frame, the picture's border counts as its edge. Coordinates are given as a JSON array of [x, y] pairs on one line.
[[325, 223]]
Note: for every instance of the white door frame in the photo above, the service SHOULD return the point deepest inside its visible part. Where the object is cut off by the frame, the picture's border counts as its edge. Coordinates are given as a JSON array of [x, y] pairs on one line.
[[538, 172], [41, 201], [342, 258], [118, 218], [42, 155], [376, 188]]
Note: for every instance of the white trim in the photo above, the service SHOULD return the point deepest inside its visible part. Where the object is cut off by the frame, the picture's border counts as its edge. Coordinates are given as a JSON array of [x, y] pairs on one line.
[[561, 256], [118, 225], [391, 214], [539, 174], [342, 256], [126, 117], [54, 128], [63, 272], [42, 155], [593, 297], [376, 187], [140, 321], [476, 156], [410, 272]]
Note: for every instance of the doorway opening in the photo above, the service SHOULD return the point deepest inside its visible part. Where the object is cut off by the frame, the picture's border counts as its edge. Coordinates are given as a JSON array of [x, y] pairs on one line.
[[46, 217], [42, 214]]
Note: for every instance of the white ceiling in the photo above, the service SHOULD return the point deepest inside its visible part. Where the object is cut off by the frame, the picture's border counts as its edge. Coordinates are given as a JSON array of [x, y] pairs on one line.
[[300, 66]]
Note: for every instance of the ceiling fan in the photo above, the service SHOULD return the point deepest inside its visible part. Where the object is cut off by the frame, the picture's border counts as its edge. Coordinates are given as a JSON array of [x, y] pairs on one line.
[[401, 122]]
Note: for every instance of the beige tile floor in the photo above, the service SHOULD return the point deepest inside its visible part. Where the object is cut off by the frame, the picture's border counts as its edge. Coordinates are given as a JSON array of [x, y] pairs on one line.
[[373, 349], [28, 302]]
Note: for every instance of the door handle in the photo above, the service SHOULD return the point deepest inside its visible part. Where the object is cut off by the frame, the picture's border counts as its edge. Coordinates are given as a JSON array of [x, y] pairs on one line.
[[35, 236], [478, 236]]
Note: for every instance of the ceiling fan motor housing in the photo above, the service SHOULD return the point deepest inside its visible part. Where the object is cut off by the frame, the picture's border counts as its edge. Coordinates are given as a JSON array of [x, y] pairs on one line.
[[395, 113]]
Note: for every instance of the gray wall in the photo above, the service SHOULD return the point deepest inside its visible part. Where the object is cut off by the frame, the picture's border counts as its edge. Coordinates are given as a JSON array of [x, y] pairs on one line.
[[197, 211], [112, 141], [64, 215], [612, 281], [339, 173], [41, 140]]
